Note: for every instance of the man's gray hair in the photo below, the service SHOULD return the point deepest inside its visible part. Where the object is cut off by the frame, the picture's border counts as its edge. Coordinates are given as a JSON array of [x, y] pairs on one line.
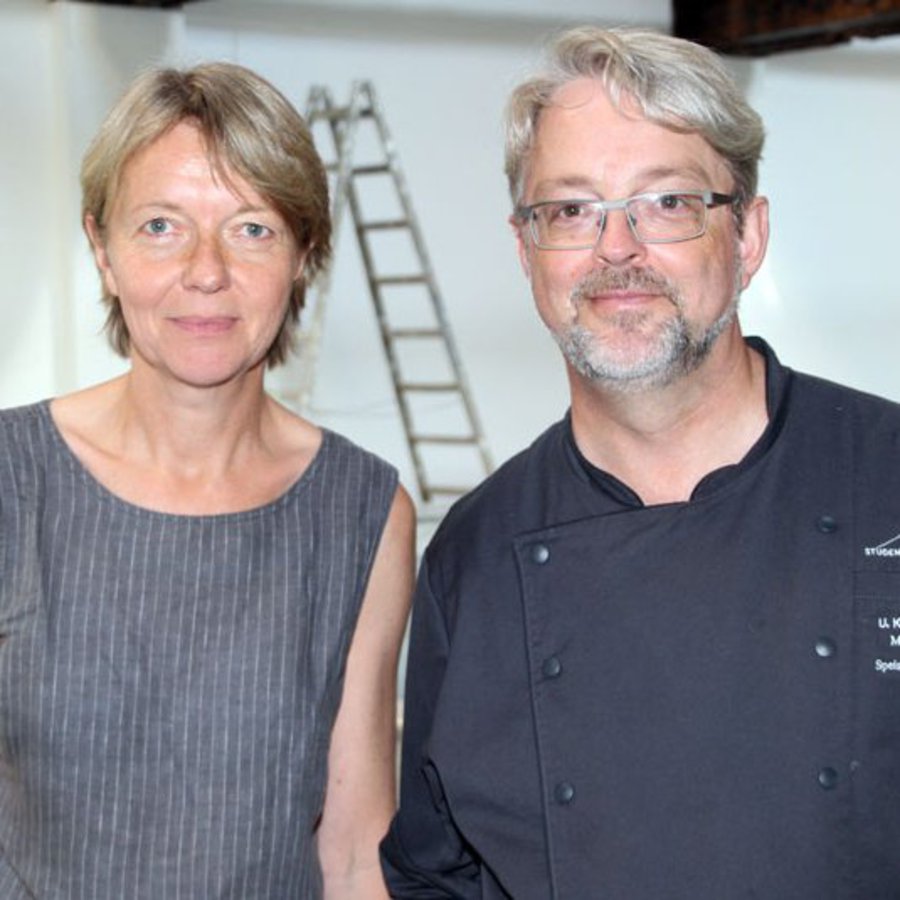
[[674, 82]]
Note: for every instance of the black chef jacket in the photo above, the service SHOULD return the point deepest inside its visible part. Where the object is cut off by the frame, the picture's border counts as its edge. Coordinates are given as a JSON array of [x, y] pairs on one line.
[[689, 701]]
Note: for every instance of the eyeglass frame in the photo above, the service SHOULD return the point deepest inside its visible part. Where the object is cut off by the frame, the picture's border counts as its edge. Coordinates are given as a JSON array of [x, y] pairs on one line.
[[711, 200]]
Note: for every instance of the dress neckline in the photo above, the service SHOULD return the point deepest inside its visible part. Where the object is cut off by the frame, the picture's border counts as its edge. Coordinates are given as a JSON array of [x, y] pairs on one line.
[[100, 490]]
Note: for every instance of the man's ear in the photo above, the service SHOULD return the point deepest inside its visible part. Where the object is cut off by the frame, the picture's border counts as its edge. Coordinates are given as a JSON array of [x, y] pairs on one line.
[[101, 256], [755, 238], [523, 245]]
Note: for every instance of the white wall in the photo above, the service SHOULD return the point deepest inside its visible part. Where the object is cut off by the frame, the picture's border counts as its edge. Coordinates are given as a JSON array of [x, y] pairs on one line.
[[61, 66], [31, 229], [830, 299], [101, 48], [826, 297]]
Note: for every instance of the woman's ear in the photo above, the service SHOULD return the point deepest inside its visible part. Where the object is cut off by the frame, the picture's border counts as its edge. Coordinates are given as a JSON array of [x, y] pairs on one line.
[[302, 257], [101, 256]]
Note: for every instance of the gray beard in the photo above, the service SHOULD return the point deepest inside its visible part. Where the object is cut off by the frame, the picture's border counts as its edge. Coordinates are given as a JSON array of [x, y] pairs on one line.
[[675, 350]]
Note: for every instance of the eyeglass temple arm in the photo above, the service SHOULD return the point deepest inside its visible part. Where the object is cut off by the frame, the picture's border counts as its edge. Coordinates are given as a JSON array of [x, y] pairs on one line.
[[712, 198]]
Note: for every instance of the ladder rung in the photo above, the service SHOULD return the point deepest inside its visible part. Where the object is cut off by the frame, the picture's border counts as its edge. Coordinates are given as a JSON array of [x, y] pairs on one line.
[[358, 170], [374, 225], [372, 169], [415, 333], [429, 386], [444, 438], [401, 279], [448, 489], [337, 113]]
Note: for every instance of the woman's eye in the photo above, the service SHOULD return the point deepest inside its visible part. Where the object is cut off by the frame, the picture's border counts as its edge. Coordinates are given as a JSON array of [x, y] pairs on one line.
[[255, 230], [157, 226]]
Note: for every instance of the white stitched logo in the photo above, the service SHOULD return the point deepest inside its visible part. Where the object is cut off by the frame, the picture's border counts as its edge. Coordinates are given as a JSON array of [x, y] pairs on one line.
[[888, 548], [887, 641]]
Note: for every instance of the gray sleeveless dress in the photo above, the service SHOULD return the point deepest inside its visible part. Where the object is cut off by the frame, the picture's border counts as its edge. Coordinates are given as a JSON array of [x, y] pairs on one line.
[[168, 683]]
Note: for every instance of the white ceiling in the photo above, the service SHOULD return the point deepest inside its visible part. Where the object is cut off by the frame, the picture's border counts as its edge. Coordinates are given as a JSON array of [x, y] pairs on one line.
[[521, 13], [646, 11]]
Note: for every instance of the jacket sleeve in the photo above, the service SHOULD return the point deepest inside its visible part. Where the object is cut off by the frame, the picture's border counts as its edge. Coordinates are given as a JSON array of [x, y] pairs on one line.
[[423, 855]]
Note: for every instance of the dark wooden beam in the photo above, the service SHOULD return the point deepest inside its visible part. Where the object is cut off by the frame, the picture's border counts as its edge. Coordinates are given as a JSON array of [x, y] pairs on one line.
[[147, 4], [762, 27]]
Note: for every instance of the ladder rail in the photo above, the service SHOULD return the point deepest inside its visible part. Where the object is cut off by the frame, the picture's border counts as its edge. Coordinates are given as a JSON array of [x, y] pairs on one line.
[[405, 196], [406, 416], [342, 124], [320, 105]]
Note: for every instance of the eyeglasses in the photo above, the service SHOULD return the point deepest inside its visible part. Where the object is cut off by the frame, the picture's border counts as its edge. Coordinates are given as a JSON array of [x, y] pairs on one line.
[[658, 218]]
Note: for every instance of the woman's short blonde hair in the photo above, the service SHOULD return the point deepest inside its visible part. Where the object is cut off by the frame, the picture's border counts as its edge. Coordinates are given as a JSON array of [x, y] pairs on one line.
[[249, 129]]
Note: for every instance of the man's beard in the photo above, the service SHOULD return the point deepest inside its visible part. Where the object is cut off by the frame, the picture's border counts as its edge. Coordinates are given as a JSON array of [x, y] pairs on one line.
[[667, 351]]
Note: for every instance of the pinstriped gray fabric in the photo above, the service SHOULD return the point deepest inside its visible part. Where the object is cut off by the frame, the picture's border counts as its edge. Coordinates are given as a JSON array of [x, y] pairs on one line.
[[168, 683]]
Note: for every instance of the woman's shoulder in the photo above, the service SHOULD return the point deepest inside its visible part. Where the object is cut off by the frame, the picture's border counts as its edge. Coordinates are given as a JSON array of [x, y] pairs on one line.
[[13, 416], [358, 471], [26, 442], [23, 426], [333, 458], [346, 451]]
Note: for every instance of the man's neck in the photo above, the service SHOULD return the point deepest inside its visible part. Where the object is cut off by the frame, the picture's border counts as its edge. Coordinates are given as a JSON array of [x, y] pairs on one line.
[[662, 442]]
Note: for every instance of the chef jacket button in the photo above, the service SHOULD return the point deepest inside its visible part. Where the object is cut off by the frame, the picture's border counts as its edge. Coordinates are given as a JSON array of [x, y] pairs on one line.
[[825, 647], [540, 553], [564, 793], [826, 524], [828, 778], [552, 667]]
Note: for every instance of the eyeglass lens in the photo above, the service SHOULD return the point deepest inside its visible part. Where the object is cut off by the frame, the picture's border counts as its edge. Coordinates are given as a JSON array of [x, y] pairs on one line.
[[652, 217]]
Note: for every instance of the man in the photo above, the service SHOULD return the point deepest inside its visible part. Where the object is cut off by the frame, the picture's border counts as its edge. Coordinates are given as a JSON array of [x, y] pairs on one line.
[[654, 656]]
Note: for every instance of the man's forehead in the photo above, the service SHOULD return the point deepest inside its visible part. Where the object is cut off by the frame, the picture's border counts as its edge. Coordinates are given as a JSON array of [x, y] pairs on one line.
[[582, 120], [584, 92]]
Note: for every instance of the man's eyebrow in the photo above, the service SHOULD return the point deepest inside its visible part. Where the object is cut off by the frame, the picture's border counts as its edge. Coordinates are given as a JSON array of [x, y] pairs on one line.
[[576, 182], [688, 169]]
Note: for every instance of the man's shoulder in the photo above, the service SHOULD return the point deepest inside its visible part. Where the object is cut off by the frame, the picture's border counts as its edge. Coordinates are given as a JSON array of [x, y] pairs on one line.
[[809, 390], [826, 416]]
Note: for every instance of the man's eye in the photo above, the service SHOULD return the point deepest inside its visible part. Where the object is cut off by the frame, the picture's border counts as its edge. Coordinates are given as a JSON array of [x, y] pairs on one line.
[[669, 201], [568, 212], [572, 210]]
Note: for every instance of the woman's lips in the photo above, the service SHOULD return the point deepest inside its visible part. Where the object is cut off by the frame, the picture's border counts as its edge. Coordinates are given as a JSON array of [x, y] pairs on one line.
[[204, 324]]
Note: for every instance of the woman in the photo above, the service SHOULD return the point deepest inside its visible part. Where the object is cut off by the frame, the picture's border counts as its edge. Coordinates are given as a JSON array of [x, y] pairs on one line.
[[202, 595]]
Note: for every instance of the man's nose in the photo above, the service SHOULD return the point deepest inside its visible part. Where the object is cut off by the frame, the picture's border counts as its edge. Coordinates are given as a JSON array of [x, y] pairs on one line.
[[617, 243]]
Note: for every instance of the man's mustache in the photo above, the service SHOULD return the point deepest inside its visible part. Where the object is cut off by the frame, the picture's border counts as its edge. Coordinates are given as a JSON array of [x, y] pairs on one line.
[[649, 281]]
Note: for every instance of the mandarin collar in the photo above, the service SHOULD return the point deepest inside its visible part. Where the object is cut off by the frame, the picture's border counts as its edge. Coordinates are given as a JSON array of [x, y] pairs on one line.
[[778, 382]]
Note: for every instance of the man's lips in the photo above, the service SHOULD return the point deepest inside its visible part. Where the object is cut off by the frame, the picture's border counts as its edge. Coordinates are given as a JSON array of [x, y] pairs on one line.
[[619, 297]]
